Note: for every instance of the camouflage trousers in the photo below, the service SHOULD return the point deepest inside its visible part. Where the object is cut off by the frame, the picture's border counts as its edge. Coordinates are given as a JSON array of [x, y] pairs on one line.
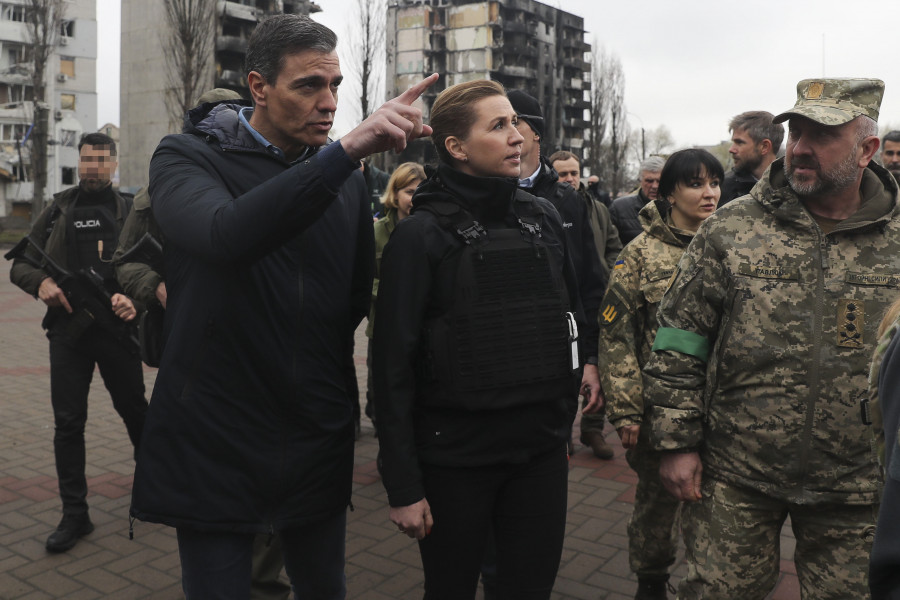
[[732, 538], [653, 528]]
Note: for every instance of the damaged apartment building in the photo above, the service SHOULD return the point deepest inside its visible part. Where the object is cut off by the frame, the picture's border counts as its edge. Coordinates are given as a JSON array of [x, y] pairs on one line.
[[522, 44], [145, 118], [70, 91]]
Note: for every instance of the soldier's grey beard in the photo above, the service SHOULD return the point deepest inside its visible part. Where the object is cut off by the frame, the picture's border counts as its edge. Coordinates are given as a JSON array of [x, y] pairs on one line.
[[843, 175]]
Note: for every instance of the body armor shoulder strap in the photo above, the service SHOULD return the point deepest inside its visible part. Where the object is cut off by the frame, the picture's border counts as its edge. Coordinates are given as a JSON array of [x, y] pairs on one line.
[[460, 222]]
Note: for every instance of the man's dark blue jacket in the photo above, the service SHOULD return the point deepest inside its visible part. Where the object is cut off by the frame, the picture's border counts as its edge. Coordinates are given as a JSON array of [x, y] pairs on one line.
[[269, 272]]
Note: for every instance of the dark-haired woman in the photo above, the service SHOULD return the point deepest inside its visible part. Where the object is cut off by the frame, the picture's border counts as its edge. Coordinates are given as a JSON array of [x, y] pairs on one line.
[[688, 194], [474, 359]]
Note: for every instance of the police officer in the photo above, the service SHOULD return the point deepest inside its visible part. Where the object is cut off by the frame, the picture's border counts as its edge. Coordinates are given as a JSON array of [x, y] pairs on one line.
[[79, 231]]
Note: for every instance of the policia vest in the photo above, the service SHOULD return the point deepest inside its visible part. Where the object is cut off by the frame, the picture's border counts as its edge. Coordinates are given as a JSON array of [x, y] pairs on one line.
[[508, 338]]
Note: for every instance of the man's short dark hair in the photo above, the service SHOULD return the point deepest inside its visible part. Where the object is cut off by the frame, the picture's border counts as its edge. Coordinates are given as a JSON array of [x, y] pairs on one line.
[[563, 155], [98, 139], [890, 136], [281, 35], [759, 126]]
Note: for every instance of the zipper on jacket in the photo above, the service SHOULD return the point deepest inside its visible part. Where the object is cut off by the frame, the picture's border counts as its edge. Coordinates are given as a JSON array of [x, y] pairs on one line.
[[816, 351]]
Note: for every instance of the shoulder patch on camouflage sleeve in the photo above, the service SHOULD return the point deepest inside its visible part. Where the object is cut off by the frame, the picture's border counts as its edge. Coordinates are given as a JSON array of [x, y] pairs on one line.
[[611, 311]]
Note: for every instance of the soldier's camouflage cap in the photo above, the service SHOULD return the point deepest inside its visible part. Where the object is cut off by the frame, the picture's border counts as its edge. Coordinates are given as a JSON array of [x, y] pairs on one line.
[[218, 95], [836, 101]]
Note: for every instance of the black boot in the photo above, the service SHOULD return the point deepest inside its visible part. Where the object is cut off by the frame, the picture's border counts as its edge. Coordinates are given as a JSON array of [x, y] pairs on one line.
[[68, 531], [652, 588]]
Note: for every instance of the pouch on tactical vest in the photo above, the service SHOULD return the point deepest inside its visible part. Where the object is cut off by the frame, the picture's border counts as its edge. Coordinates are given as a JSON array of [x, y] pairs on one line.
[[507, 339]]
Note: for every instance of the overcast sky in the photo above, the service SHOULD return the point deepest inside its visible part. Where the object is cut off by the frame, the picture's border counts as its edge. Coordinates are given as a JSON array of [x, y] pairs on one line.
[[690, 65]]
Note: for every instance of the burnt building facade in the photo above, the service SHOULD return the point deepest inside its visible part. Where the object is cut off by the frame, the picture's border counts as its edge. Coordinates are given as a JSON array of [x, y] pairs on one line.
[[522, 44]]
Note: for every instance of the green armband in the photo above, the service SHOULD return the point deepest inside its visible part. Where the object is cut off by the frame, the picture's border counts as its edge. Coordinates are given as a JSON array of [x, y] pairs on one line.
[[678, 340]]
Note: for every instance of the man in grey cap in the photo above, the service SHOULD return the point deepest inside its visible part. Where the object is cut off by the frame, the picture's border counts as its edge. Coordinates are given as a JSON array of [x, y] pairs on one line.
[[762, 353]]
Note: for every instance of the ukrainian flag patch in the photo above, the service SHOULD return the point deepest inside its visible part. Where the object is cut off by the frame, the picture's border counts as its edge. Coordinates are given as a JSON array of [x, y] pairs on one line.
[[620, 264]]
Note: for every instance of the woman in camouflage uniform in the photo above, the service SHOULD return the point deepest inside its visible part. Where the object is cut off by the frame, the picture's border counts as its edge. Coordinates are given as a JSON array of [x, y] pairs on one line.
[[688, 193]]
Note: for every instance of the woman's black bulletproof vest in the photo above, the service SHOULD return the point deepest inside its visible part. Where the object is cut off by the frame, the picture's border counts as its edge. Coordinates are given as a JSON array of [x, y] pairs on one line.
[[505, 341]]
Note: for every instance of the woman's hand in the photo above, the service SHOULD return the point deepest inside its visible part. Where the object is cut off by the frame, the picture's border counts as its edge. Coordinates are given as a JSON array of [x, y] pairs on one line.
[[413, 520]]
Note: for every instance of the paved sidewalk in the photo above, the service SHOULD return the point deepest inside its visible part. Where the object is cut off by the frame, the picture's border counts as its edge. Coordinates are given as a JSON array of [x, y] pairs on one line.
[[381, 563]]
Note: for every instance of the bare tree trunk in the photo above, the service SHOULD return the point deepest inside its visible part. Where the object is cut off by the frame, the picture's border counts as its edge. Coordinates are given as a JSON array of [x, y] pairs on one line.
[[608, 112], [368, 55], [187, 42], [599, 108], [44, 20]]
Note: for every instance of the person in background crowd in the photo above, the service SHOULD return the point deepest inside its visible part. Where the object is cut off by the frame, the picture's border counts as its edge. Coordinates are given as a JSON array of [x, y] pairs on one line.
[[397, 203], [539, 178], [472, 420], [688, 194], [624, 211], [755, 141], [269, 261], [608, 246], [79, 230], [890, 153], [597, 192], [376, 183], [762, 353]]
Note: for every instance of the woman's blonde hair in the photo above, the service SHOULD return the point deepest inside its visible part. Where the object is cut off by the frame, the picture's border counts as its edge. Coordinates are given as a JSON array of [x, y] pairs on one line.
[[402, 176], [452, 114]]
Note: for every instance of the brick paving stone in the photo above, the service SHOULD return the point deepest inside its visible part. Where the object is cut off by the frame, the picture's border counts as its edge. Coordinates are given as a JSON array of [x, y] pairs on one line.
[[382, 564]]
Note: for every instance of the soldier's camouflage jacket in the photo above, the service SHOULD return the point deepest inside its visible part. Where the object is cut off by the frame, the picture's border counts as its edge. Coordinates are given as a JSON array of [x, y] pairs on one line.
[[765, 338], [628, 315]]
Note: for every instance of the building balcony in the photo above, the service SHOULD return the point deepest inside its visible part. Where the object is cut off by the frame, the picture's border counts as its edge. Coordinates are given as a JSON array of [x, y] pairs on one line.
[[518, 50], [576, 63], [231, 43], [519, 27], [514, 71], [238, 11], [233, 79]]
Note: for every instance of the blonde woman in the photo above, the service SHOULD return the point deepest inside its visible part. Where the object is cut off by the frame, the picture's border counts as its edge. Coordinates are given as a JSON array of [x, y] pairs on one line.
[[397, 202]]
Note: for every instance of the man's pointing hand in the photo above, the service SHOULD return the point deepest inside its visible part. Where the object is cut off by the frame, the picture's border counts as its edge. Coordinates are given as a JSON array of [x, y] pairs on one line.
[[392, 126]]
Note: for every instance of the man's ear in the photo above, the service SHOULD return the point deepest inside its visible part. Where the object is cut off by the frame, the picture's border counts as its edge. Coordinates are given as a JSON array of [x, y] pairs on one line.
[[869, 147], [257, 84], [765, 147]]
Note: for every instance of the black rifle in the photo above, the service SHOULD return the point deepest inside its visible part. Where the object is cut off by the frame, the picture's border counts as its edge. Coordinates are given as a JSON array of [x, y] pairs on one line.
[[84, 289], [147, 250]]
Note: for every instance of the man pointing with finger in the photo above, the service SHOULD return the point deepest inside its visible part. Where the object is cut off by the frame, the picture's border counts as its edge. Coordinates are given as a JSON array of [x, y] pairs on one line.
[[269, 250]]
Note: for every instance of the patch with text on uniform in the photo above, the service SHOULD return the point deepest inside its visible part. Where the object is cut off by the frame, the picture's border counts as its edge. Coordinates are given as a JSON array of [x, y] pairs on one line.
[[851, 321]]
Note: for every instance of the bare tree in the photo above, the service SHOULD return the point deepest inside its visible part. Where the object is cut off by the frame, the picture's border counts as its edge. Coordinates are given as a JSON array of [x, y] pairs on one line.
[[366, 55], [187, 42], [599, 107], [609, 126], [657, 142], [44, 19]]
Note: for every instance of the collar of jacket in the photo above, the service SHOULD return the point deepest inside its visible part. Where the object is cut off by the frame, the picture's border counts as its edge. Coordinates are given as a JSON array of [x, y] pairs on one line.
[[878, 193], [67, 198], [486, 198], [221, 122], [654, 220]]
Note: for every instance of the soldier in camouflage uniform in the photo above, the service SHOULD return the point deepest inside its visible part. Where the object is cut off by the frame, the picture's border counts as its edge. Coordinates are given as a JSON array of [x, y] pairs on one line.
[[688, 192], [762, 355]]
